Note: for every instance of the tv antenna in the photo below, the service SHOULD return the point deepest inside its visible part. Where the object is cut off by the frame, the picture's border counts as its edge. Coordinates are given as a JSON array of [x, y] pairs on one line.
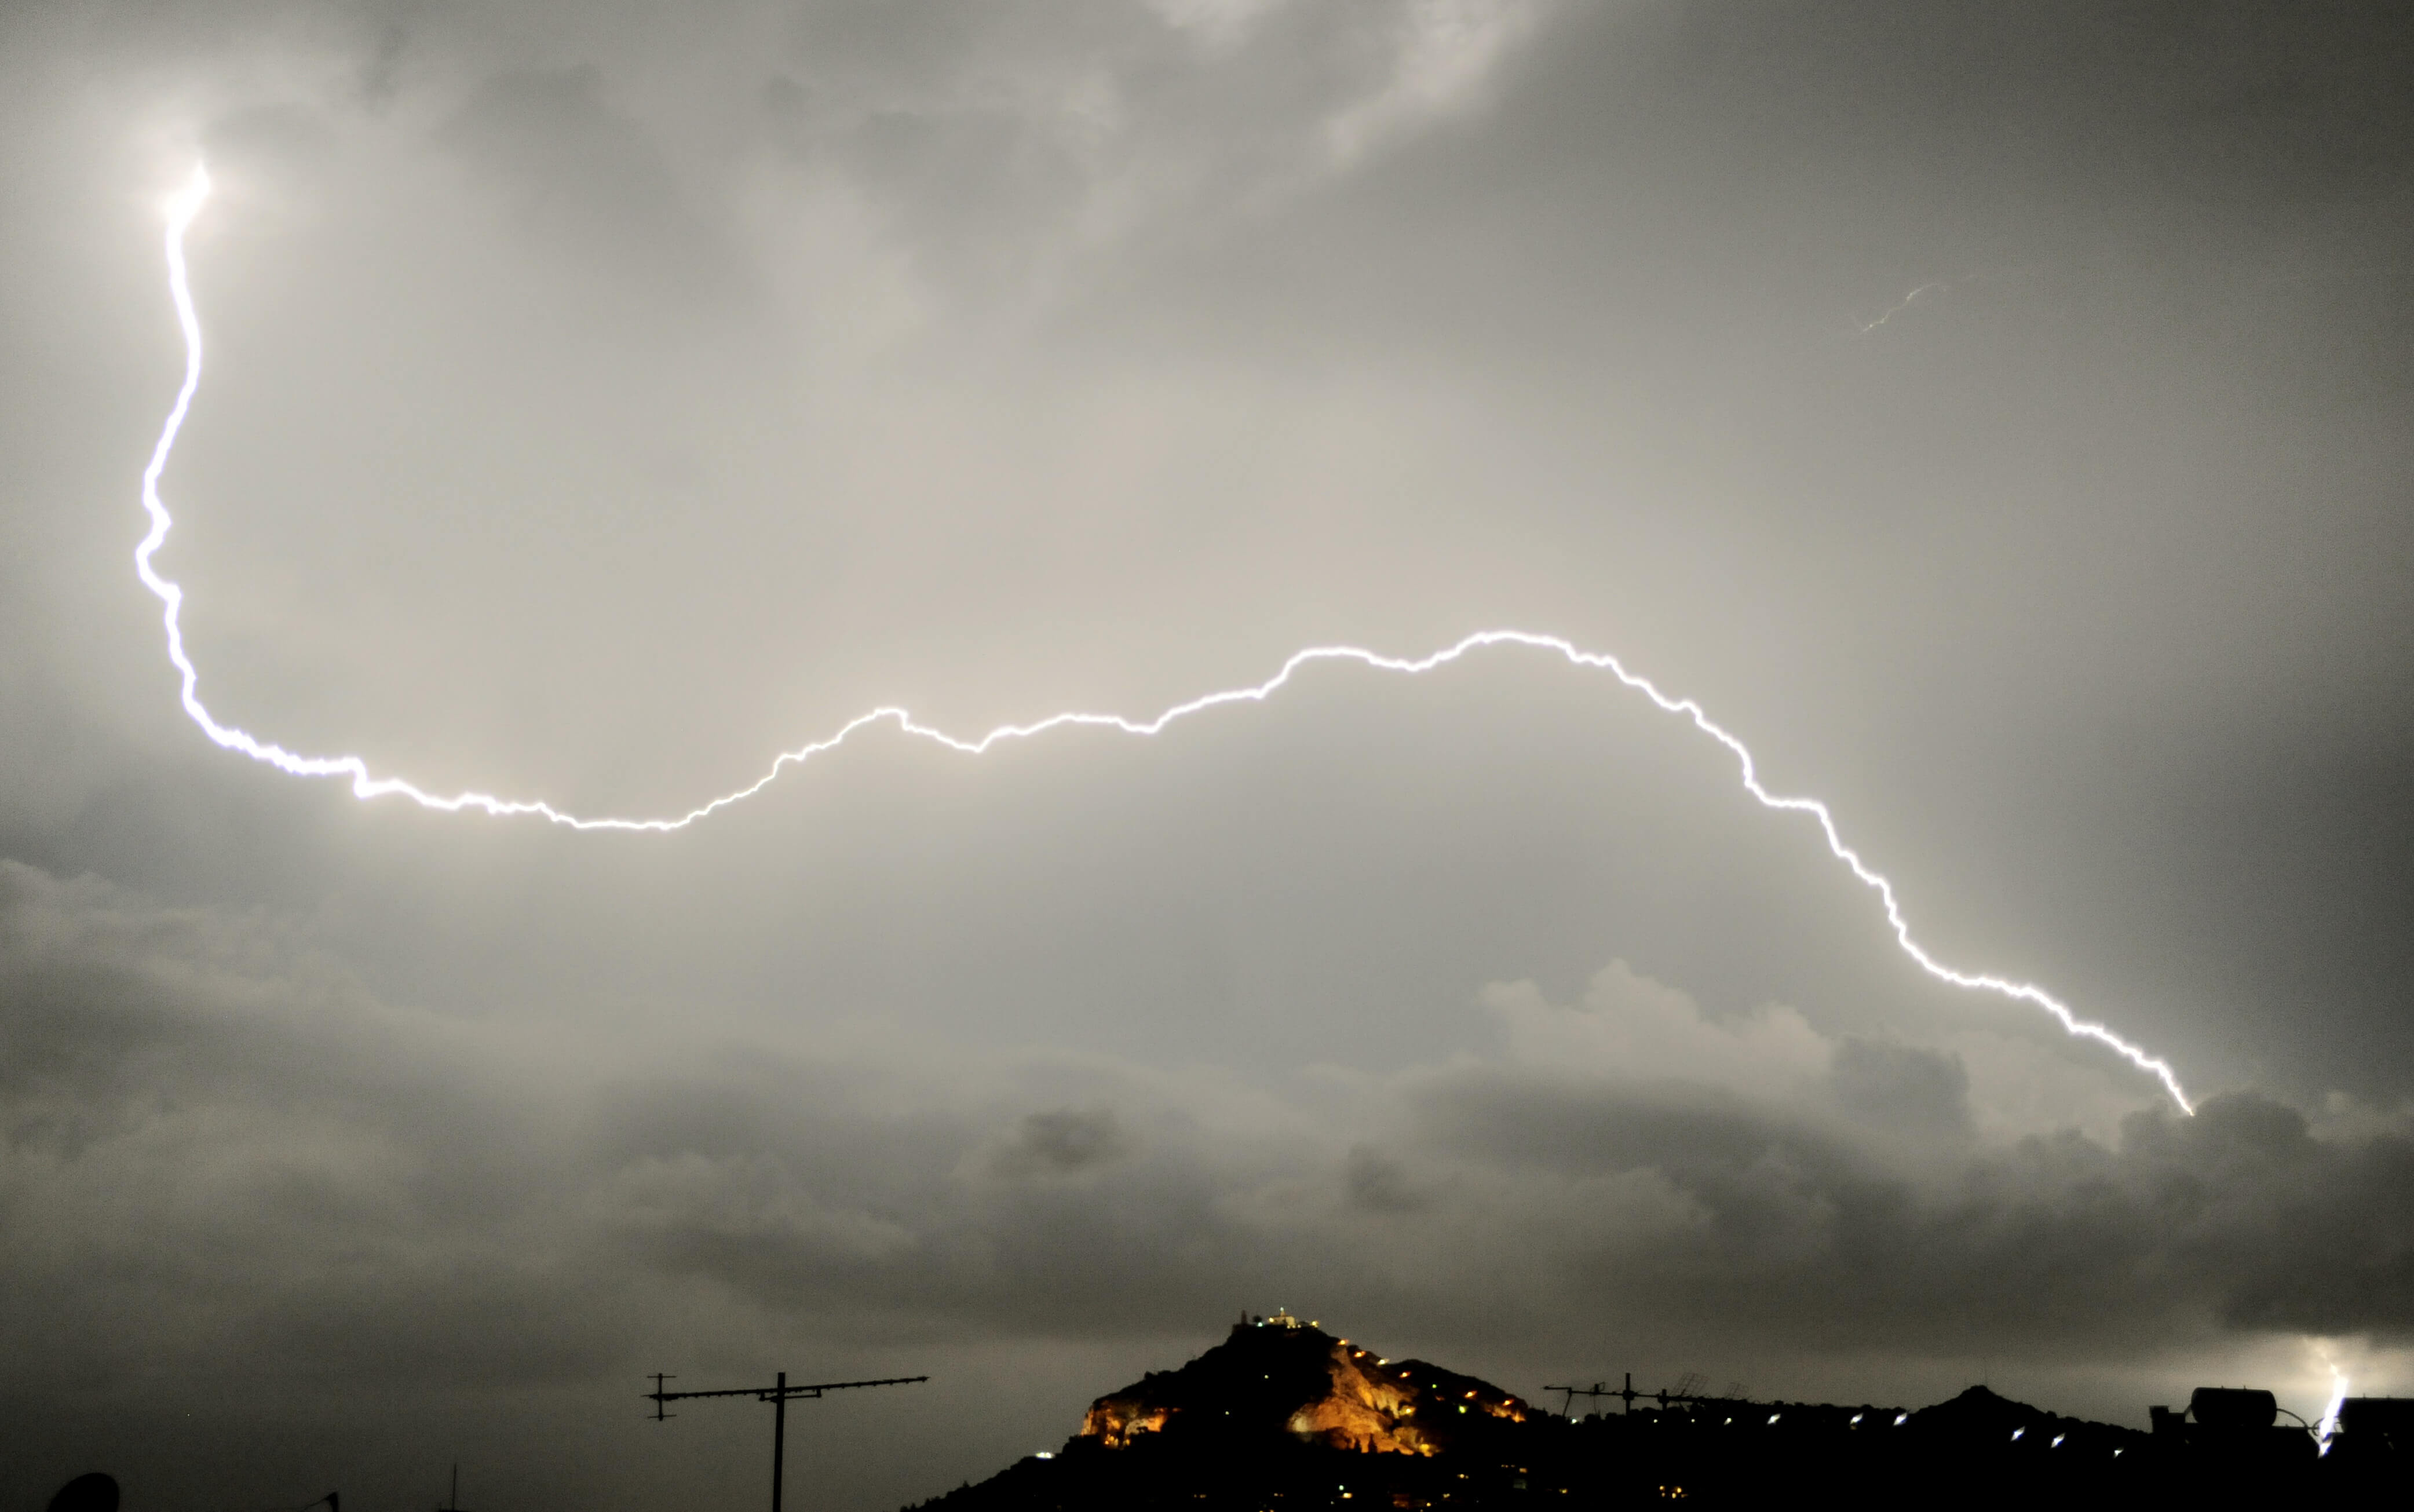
[[778, 1395], [1568, 1395], [453, 1502]]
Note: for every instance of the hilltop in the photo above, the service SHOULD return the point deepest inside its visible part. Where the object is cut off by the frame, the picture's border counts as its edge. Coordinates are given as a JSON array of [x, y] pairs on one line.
[[1278, 1379]]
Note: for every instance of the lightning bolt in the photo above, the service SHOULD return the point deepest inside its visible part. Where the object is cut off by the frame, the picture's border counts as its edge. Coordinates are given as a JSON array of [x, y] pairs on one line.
[[2328, 1427], [1905, 303], [187, 204]]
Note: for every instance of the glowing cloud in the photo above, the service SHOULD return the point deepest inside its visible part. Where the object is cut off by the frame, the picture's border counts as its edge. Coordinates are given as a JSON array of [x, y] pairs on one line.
[[187, 204]]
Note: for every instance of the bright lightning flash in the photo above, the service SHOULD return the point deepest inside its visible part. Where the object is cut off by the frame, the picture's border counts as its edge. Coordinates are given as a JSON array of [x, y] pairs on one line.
[[187, 204], [2328, 1427]]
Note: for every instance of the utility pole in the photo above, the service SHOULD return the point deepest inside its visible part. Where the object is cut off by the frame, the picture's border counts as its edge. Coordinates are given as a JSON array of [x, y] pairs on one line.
[[778, 1396]]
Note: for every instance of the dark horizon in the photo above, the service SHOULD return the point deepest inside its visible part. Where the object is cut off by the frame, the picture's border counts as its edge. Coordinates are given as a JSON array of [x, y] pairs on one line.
[[1281, 1411]]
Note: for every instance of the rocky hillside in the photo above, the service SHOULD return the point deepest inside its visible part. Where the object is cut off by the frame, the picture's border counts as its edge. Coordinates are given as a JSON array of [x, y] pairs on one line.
[[1281, 1376]]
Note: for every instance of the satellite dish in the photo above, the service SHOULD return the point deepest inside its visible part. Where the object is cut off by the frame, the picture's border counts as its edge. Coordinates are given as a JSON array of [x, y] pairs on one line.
[[94, 1492]]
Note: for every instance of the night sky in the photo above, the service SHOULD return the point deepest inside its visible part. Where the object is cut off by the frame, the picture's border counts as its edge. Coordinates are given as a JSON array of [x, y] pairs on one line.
[[1999, 414]]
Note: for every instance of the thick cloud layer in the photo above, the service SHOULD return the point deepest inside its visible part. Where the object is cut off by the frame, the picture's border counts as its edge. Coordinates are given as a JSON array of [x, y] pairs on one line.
[[225, 1159], [1997, 414]]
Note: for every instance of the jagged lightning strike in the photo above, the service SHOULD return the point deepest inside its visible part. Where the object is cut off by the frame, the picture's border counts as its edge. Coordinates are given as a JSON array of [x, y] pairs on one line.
[[2327, 1429], [187, 204]]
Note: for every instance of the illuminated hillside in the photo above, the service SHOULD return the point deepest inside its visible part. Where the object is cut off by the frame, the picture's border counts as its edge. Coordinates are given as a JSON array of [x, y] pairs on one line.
[[1280, 1373]]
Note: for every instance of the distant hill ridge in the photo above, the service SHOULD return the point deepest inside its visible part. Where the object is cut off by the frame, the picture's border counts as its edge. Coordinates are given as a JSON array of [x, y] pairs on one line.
[[1282, 1417]]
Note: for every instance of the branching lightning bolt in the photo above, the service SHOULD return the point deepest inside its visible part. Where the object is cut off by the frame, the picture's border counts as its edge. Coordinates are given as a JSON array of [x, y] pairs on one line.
[[186, 204]]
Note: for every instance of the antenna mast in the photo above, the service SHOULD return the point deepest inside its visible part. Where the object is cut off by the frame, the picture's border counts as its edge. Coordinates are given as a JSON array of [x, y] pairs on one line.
[[1568, 1394], [778, 1395]]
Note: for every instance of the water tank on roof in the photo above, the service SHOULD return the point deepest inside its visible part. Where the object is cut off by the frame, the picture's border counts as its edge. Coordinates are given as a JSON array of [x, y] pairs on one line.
[[2233, 1409], [2369, 1420], [94, 1492]]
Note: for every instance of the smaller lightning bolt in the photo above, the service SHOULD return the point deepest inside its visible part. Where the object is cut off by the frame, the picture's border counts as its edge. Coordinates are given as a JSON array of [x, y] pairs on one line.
[[187, 204], [1935, 286], [2328, 1427]]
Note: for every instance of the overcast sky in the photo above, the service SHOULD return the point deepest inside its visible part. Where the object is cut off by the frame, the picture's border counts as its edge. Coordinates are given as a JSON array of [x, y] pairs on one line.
[[2002, 416]]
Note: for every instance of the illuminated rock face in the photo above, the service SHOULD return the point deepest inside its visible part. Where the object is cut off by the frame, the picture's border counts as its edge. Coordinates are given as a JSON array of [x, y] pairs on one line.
[[1369, 1409], [1280, 1378], [1113, 1421]]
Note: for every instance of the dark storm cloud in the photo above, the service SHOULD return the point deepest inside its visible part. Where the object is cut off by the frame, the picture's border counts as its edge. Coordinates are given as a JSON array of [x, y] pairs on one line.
[[1902, 1085], [1065, 1140], [215, 1137], [2238, 1218], [1380, 1183], [201, 1113]]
